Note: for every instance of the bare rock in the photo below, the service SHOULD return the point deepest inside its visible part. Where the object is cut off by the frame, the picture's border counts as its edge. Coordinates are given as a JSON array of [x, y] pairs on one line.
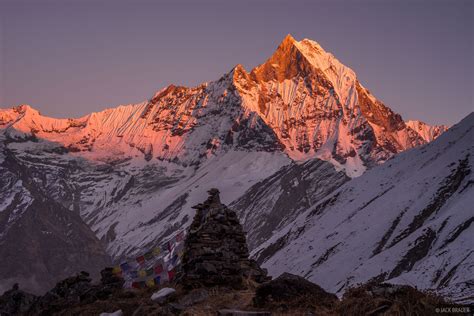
[[292, 290], [16, 301]]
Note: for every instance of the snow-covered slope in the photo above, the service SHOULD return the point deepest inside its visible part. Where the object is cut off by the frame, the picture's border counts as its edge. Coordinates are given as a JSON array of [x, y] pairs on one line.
[[407, 221], [277, 200]]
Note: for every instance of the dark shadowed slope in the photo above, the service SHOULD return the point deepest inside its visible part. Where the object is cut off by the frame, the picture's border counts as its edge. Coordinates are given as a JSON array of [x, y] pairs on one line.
[[41, 241]]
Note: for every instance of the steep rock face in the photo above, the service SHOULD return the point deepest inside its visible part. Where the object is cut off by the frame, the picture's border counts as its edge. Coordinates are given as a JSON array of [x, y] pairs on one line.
[[408, 221], [318, 108]]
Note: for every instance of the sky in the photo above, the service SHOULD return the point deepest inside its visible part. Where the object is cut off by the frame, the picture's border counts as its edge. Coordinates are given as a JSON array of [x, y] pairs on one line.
[[68, 58]]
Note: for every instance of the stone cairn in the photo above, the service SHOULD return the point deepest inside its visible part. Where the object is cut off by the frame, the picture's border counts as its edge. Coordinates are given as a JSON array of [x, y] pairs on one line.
[[215, 249]]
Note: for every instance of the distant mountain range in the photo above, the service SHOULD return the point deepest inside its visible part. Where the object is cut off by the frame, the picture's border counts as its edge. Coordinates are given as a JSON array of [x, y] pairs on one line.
[[276, 141]]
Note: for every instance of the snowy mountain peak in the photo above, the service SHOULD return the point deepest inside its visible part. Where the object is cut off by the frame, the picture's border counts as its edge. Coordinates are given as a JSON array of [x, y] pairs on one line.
[[301, 101], [286, 62], [288, 39]]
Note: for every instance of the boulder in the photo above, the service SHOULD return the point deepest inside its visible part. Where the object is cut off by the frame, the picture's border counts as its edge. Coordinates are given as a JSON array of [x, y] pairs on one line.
[[16, 301], [77, 290], [289, 290], [375, 298]]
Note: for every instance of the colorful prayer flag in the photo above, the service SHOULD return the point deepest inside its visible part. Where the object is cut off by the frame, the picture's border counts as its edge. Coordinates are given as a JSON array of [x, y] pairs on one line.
[[158, 269], [149, 271], [157, 280], [136, 285], [141, 260], [133, 274], [174, 260], [149, 255], [171, 274], [116, 270], [156, 251], [124, 266], [141, 273], [150, 283]]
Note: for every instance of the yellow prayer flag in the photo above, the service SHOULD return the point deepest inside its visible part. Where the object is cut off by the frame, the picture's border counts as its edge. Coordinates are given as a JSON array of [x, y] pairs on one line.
[[150, 283], [142, 273], [116, 270], [156, 251]]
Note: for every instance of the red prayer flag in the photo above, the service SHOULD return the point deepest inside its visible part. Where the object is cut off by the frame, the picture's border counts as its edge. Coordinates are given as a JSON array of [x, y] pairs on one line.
[[158, 269], [141, 260], [171, 274]]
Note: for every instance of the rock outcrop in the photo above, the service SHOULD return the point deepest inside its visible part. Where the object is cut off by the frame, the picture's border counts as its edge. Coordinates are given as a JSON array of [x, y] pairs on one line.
[[216, 252], [73, 291], [15, 301], [292, 290]]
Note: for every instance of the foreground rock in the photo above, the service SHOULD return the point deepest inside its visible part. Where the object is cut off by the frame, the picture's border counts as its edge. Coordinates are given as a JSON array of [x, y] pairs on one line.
[[15, 301], [289, 290], [76, 290], [286, 295], [216, 252], [388, 299]]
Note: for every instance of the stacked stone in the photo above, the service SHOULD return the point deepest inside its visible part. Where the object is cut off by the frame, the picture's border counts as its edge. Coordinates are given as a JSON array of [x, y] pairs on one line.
[[216, 252]]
